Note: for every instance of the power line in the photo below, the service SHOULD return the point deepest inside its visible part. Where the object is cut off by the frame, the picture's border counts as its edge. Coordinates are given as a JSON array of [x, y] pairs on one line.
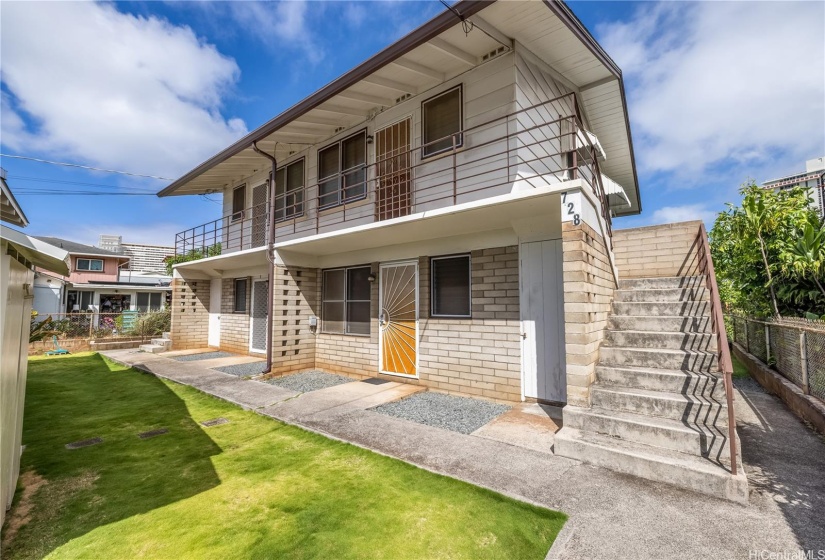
[[79, 183], [64, 164], [21, 192]]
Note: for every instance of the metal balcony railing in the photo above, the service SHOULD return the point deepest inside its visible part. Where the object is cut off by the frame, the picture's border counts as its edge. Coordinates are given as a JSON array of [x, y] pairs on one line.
[[532, 147]]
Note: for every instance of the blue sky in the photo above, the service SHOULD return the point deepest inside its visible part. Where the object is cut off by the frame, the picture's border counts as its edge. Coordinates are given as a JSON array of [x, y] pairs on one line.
[[719, 92]]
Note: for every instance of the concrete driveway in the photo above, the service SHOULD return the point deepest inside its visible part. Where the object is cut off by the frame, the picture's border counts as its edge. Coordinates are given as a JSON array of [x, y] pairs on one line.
[[611, 515]]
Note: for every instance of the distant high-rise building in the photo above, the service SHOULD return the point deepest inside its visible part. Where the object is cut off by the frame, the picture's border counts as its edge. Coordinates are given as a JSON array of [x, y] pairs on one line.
[[813, 178], [142, 258]]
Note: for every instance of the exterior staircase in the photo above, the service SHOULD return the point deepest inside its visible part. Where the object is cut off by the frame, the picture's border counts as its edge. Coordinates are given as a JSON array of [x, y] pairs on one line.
[[658, 406], [158, 345]]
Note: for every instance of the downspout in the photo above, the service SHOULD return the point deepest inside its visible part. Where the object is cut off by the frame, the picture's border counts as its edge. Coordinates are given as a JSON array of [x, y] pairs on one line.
[[270, 241]]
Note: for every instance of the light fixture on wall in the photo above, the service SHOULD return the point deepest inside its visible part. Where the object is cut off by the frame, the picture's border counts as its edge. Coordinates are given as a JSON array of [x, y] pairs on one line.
[[369, 139], [371, 277]]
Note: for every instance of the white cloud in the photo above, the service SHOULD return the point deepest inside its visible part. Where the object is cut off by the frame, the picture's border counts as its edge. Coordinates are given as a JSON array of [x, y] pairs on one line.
[[733, 84], [686, 213], [112, 89]]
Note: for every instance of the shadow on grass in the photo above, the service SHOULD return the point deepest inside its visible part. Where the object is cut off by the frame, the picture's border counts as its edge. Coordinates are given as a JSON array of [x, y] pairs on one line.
[[82, 397]]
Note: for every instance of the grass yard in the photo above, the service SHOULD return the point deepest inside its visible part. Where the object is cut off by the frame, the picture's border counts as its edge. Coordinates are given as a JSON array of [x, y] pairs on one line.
[[739, 369], [252, 488]]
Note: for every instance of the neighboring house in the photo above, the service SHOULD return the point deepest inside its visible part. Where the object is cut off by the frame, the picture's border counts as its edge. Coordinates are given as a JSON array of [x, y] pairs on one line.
[[812, 179], [97, 282], [19, 254], [442, 215]]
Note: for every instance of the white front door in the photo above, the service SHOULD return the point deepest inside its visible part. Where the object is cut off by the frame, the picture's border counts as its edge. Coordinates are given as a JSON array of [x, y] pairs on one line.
[[257, 317], [544, 374], [214, 337]]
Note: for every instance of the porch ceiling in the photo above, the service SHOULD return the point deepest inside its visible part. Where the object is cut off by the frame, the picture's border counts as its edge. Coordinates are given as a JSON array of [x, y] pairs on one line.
[[433, 53]]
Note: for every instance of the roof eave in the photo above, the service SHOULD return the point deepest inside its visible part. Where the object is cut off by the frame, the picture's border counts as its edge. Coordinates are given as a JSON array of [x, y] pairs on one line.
[[431, 29]]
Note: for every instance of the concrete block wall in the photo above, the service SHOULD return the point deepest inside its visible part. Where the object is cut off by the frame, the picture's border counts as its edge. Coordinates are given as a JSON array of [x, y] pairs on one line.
[[589, 284], [481, 356], [657, 251], [352, 355], [296, 299], [234, 325], [190, 313]]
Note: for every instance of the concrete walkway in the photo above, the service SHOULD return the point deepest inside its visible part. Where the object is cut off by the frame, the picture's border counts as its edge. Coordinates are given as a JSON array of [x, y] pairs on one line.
[[611, 515]]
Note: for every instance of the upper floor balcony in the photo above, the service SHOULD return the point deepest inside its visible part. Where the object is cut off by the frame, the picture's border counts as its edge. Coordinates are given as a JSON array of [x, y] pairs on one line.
[[529, 148]]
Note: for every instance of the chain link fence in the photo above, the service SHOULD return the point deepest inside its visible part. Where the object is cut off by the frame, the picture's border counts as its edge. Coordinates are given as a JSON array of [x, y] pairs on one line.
[[795, 349]]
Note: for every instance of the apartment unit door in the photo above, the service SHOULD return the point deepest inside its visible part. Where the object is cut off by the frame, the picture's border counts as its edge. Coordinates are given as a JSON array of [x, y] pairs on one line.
[[214, 332], [259, 210], [544, 375], [393, 197], [398, 319], [257, 316]]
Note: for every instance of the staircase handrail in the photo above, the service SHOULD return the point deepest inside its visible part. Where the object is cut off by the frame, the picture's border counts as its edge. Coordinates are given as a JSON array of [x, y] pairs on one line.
[[718, 324]]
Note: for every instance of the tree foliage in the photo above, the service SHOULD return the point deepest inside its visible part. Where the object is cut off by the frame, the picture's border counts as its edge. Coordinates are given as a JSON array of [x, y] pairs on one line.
[[193, 255], [769, 253]]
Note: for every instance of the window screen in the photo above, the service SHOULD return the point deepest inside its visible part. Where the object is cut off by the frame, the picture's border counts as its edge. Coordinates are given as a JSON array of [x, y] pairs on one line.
[[441, 120], [451, 286], [238, 202], [240, 295], [346, 301]]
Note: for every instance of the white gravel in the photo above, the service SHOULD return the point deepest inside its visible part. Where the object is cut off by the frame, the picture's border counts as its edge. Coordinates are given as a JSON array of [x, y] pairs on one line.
[[202, 356], [243, 370], [457, 414], [309, 381]]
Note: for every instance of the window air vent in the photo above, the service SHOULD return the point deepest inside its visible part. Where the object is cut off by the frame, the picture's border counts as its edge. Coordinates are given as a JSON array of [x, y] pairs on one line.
[[403, 97], [493, 54]]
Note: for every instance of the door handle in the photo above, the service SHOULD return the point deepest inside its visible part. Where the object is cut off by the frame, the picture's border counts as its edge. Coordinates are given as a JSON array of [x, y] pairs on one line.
[[524, 335]]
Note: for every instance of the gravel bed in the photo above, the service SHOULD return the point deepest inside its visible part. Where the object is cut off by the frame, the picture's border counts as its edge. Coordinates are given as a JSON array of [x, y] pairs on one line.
[[309, 381], [202, 356], [243, 370], [458, 414]]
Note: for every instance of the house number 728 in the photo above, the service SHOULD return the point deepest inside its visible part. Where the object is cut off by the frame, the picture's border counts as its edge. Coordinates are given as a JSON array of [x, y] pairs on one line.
[[571, 207]]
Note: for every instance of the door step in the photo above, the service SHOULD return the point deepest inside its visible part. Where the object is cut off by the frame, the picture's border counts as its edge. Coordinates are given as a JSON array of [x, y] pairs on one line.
[[152, 348], [662, 465]]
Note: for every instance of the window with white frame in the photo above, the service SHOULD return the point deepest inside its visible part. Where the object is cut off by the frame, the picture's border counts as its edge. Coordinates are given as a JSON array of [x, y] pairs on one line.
[[289, 190], [345, 307], [342, 171], [92, 265], [442, 122], [451, 286]]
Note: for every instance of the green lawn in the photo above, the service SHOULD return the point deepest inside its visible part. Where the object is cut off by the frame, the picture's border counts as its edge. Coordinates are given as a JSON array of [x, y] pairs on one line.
[[253, 488], [739, 369]]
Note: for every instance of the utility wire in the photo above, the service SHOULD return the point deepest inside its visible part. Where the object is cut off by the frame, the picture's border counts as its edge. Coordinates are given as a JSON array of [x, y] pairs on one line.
[[79, 183], [64, 164], [79, 193]]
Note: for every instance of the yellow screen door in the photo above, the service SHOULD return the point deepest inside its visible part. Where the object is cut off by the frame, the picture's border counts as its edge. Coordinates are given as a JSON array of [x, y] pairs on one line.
[[398, 319]]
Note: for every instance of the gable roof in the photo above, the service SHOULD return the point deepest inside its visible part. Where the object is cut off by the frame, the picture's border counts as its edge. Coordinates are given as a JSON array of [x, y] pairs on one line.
[[548, 29], [74, 248]]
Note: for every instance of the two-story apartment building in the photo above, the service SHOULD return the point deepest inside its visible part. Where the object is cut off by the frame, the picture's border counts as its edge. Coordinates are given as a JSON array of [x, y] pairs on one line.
[[424, 204], [442, 215], [96, 283]]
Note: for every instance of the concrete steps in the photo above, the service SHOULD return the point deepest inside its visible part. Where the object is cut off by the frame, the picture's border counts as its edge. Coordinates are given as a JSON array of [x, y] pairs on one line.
[[666, 358], [669, 340], [661, 308], [662, 295], [158, 345], [658, 407], [666, 380], [662, 283], [695, 324], [676, 406], [653, 463]]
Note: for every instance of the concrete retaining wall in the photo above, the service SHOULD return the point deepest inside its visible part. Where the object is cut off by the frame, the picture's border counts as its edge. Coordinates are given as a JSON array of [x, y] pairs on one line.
[[806, 407]]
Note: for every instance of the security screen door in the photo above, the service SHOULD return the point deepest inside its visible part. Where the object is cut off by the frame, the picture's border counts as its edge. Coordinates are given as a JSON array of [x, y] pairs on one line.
[[398, 319]]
